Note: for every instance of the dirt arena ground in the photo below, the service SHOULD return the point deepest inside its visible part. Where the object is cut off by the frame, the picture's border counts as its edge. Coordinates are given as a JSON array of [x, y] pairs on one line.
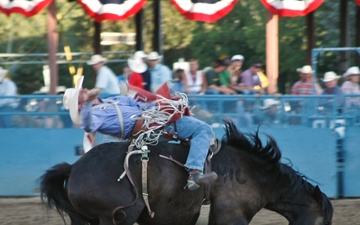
[[30, 211]]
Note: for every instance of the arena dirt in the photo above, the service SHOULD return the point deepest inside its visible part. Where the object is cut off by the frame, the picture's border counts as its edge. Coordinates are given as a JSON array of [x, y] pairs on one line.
[[30, 211]]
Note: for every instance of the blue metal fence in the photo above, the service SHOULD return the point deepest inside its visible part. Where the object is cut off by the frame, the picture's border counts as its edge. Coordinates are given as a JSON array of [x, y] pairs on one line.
[[318, 136]]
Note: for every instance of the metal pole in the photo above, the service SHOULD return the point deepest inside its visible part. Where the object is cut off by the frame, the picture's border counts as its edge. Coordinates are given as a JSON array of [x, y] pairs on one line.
[[357, 35], [139, 17], [310, 36], [97, 38], [343, 33], [340, 159], [157, 39]]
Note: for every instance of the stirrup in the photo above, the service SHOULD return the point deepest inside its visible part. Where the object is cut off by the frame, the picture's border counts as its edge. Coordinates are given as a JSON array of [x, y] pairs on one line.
[[195, 180], [191, 185]]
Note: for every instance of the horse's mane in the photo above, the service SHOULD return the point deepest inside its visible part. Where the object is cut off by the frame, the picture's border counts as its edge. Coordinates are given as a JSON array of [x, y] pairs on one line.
[[270, 153], [251, 143]]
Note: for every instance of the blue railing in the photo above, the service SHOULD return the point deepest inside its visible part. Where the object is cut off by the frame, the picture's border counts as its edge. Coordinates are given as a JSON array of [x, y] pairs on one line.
[[328, 156], [46, 111]]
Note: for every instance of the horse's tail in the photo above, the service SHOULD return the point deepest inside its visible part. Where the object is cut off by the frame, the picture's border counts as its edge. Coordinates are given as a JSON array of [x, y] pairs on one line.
[[54, 193]]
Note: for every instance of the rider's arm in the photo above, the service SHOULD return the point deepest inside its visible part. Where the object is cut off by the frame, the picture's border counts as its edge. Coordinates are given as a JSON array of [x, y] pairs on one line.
[[88, 122]]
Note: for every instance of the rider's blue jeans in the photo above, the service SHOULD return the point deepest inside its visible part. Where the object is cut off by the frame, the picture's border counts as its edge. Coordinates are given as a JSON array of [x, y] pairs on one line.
[[200, 135]]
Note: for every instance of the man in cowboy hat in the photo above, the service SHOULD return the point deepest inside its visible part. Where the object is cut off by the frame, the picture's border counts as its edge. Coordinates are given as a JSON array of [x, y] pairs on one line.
[[269, 113], [351, 86], [159, 72], [106, 79], [120, 116], [306, 85], [7, 88], [352, 77], [331, 88]]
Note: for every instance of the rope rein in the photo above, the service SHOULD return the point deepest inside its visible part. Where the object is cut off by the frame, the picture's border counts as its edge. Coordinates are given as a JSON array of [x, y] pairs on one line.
[[157, 117]]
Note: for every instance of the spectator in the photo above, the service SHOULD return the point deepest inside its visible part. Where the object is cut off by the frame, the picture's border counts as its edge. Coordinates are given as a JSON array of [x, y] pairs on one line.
[[159, 72], [352, 77], [235, 72], [7, 88], [179, 81], [306, 85], [250, 79], [212, 75], [146, 74], [196, 83], [106, 80], [269, 113], [137, 66], [351, 86], [331, 88], [123, 78], [244, 114]]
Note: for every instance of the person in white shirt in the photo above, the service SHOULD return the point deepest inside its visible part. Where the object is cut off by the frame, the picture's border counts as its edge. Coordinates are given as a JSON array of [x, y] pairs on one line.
[[195, 79], [106, 79], [7, 88]]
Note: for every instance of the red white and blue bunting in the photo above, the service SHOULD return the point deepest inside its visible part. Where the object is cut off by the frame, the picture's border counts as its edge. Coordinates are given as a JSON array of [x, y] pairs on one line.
[[204, 10], [27, 8], [291, 8], [111, 9]]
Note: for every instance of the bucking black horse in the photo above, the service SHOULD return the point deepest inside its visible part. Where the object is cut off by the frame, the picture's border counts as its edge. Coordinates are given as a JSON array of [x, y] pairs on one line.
[[250, 177]]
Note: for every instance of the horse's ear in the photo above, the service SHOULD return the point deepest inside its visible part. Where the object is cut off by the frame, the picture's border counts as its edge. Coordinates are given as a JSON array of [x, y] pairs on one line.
[[318, 195]]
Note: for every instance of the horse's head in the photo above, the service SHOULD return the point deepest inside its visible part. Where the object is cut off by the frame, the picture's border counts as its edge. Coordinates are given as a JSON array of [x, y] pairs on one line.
[[325, 205], [313, 207]]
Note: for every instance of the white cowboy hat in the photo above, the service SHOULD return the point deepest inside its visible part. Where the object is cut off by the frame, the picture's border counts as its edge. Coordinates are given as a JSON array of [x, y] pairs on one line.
[[95, 59], [330, 76], [237, 57], [352, 71], [140, 55], [3, 73], [137, 65], [154, 56], [269, 102], [305, 69], [71, 101]]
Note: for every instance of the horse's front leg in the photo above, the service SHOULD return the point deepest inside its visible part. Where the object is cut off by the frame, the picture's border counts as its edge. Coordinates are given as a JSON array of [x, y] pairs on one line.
[[225, 215]]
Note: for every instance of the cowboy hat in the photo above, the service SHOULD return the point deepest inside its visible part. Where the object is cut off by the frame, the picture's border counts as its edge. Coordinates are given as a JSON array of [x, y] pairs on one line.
[[3, 73], [352, 71], [140, 54], [305, 69], [154, 56], [137, 65], [95, 59], [269, 102], [330, 76], [237, 57], [71, 101]]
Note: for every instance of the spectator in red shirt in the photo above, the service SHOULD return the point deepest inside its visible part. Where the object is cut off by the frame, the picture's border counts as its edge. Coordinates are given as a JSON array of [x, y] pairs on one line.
[[306, 85], [137, 66]]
